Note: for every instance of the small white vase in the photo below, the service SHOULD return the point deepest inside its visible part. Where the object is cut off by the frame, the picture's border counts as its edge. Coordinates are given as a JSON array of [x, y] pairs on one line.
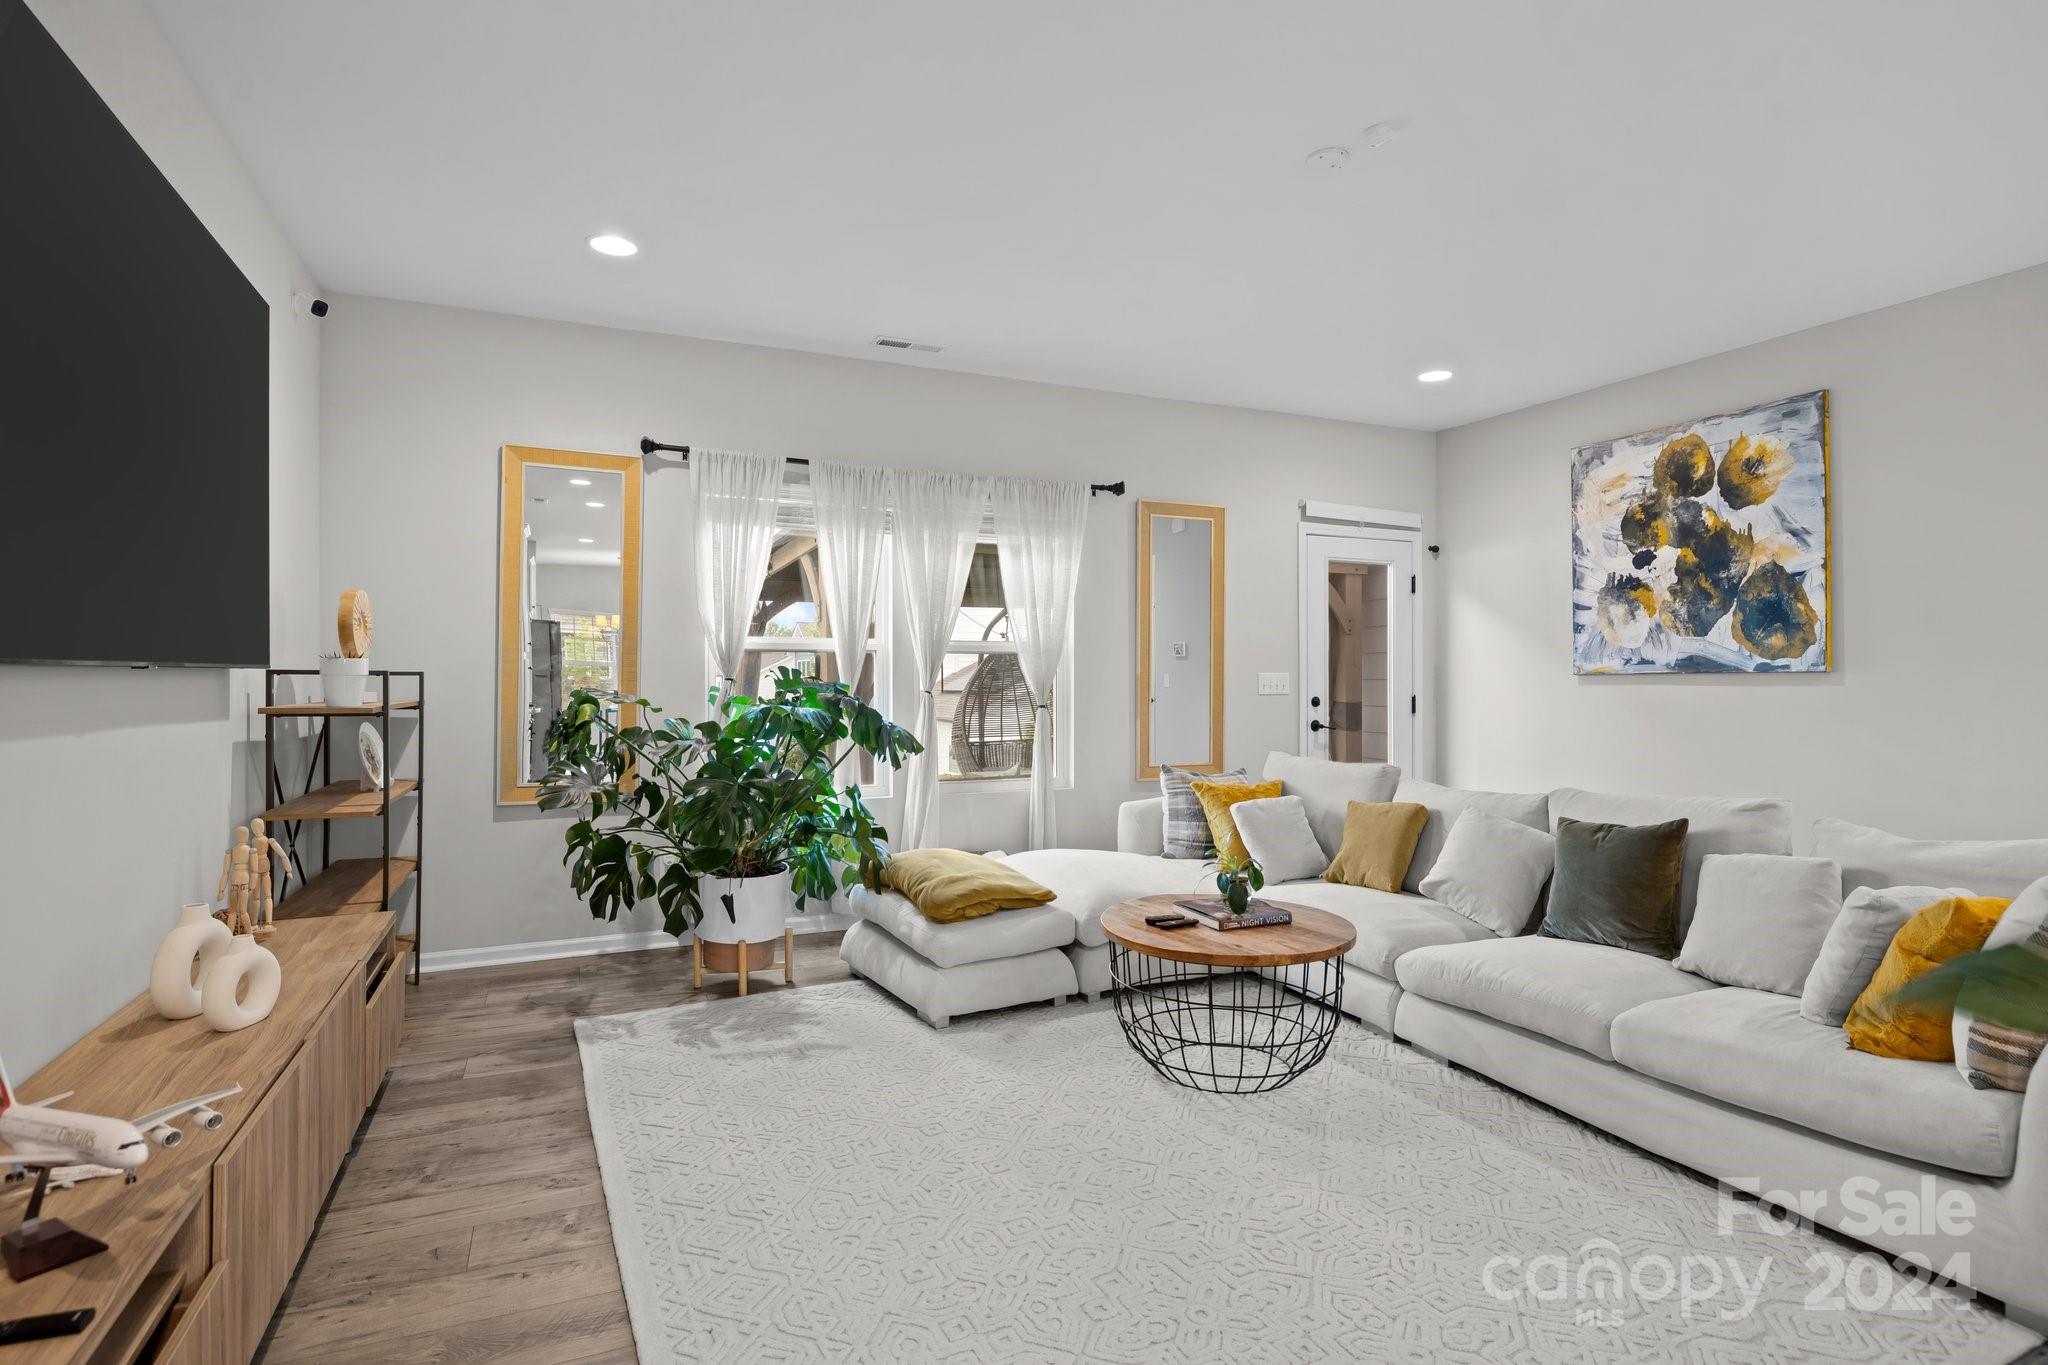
[[745, 909], [241, 986], [173, 982], [341, 681]]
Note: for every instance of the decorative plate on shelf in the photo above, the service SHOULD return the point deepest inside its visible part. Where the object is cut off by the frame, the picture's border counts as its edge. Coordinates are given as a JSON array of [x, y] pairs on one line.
[[370, 748]]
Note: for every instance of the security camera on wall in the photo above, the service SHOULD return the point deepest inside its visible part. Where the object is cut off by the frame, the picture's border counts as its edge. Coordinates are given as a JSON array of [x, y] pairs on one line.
[[306, 303]]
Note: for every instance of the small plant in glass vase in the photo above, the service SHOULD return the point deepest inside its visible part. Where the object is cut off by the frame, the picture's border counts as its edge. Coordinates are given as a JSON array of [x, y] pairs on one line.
[[749, 802], [1237, 879]]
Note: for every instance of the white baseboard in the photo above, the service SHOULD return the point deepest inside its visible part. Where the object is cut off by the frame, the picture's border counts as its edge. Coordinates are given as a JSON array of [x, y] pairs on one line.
[[544, 950], [505, 954]]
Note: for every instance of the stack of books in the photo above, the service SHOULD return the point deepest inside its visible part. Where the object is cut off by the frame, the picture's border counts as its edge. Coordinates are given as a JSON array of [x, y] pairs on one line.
[[1215, 912]]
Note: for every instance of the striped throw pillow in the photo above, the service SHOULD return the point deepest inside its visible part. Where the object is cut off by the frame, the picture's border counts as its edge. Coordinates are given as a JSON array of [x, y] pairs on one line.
[[1187, 824], [2000, 1058]]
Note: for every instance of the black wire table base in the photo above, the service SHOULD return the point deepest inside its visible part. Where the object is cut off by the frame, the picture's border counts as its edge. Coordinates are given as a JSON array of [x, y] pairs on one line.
[[1227, 1030]]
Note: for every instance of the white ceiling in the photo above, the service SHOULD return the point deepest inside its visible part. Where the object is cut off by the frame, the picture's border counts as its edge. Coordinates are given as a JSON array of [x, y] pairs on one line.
[[560, 519], [1112, 192]]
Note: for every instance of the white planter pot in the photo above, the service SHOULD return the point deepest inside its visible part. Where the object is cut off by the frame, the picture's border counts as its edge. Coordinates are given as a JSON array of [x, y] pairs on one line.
[[759, 908], [341, 681]]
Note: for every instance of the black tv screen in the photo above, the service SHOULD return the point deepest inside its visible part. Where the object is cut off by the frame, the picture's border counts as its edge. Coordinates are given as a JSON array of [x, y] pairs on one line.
[[134, 393]]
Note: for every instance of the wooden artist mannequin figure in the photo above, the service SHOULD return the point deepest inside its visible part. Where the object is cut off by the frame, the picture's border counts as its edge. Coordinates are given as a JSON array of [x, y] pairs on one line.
[[234, 882], [262, 903]]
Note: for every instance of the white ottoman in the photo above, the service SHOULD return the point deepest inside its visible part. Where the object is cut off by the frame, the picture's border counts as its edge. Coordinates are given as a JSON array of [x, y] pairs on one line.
[[938, 993]]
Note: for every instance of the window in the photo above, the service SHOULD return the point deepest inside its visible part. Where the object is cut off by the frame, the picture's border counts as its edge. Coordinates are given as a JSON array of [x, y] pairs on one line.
[[792, 629], [985, 713], [590, 650]]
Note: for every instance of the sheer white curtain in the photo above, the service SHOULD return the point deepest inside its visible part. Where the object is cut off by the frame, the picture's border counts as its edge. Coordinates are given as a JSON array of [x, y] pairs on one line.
[[852, 503], [938, 519], [1039, 526], [735, 495]]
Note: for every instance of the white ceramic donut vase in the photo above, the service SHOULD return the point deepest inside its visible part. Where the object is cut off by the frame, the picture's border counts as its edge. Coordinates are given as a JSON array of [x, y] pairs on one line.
[[173, 984], [224, 1001]]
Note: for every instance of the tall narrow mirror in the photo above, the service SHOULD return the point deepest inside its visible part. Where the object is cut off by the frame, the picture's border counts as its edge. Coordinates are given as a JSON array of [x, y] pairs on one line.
[[1180, 637], [568, 596]]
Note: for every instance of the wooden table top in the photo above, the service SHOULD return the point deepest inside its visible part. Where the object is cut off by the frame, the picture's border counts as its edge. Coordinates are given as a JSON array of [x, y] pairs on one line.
[[1314, 935]]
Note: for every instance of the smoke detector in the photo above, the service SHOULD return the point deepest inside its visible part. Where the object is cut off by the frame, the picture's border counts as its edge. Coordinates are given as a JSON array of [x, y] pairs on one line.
[[902, 344], [1380, 134], [1329, 160]]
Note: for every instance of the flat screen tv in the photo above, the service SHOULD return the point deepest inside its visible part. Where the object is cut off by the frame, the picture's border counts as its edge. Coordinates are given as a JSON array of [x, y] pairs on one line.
[[134, 393]]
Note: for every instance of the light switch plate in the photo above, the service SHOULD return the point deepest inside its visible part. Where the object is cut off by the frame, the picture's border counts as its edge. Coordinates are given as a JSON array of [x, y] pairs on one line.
[[1273, 684]]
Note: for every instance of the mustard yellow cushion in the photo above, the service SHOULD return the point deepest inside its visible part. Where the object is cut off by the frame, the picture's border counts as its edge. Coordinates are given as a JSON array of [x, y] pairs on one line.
[[1920, 1033], [1217, 798], [946, 884], [1379, 843]]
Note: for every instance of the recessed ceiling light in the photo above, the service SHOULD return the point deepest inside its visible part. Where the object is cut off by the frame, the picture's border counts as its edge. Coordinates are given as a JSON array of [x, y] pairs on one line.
[[593, 504], [1433, 376], [611, 244], [581, 483], [585, 540]]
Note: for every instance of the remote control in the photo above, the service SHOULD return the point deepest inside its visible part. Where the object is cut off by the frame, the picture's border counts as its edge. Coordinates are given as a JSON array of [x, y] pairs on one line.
[[1170, 921], [48, 1325]]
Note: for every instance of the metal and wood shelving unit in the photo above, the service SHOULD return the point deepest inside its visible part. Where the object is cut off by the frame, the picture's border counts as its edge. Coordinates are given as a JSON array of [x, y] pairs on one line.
[[349, 886]]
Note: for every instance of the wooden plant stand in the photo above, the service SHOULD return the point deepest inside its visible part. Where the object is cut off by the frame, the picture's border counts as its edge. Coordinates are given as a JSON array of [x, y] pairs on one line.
[[733, 957]]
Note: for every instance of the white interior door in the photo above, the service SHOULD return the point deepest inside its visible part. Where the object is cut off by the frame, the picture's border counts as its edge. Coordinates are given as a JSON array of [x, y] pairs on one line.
[[1358, 702]]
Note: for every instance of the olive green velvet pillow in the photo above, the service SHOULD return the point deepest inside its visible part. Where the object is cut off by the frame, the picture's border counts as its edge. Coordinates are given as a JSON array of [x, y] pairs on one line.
[[946, 884], [1618, 885], [1379, 841]]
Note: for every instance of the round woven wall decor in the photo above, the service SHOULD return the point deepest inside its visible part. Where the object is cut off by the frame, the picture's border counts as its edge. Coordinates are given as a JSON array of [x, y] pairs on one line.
[[352, 623]]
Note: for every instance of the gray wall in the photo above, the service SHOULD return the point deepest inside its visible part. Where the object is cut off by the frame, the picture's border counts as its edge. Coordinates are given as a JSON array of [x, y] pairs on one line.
[[1931, 723], [579, 587], [121, 787], [418, 399]]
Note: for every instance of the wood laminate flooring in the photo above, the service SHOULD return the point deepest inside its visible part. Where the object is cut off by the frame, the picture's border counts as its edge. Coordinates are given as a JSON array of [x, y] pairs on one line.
[[470, 1224]]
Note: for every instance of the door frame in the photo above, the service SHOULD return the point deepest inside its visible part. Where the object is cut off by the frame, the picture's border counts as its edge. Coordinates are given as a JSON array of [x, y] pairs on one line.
[[1421, 751]]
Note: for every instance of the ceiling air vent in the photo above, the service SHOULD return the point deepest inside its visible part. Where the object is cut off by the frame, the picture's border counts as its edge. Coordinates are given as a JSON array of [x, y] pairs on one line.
[[900, 344]]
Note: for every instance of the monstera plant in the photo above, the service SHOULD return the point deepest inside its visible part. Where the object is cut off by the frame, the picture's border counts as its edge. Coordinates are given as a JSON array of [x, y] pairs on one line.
[[749, 802]]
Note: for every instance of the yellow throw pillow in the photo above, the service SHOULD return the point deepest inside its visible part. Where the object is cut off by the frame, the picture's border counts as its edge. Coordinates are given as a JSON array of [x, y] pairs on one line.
[[946, 884], [1379, 843], [1217, 798], [1920, 1033]]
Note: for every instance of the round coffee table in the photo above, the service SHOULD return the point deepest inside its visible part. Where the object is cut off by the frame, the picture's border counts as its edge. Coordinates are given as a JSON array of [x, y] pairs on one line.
[[1236, 1012]]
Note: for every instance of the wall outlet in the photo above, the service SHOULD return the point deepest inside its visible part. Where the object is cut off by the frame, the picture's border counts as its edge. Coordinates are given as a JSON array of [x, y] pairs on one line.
[[1273, 684]]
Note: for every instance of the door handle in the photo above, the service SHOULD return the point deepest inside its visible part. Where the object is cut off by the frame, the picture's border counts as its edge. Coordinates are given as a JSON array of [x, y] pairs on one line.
[[1316, 725]]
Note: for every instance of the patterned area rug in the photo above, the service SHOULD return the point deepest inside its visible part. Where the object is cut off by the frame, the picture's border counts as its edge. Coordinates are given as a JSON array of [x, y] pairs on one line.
[[815, 1175]]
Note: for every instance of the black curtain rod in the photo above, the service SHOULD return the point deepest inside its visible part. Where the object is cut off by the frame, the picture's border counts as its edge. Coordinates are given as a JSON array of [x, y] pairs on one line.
[[648, 446]]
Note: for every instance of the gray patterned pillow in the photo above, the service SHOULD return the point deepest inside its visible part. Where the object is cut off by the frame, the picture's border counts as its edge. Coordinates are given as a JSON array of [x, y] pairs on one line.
[[1187, 825]]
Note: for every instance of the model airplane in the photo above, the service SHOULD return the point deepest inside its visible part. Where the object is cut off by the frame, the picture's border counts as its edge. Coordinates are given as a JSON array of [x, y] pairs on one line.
[[74, 1146]]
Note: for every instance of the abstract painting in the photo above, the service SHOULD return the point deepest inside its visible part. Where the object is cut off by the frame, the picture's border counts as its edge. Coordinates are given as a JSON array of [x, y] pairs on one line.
[[1703, 548]]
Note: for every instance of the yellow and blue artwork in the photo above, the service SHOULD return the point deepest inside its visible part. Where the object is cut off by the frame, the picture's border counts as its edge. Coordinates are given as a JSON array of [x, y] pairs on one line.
[[1703, 548]]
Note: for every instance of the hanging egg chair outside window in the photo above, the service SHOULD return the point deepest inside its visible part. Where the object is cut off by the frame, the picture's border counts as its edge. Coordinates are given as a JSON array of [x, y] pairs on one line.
[[992, 726]]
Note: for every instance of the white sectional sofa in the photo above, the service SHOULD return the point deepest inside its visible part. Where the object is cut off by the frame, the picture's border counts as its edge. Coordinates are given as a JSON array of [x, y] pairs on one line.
[[1733, 1083]]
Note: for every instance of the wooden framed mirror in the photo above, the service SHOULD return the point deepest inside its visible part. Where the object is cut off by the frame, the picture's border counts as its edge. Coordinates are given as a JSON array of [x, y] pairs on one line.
[[568, 596], [1180, 637]]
